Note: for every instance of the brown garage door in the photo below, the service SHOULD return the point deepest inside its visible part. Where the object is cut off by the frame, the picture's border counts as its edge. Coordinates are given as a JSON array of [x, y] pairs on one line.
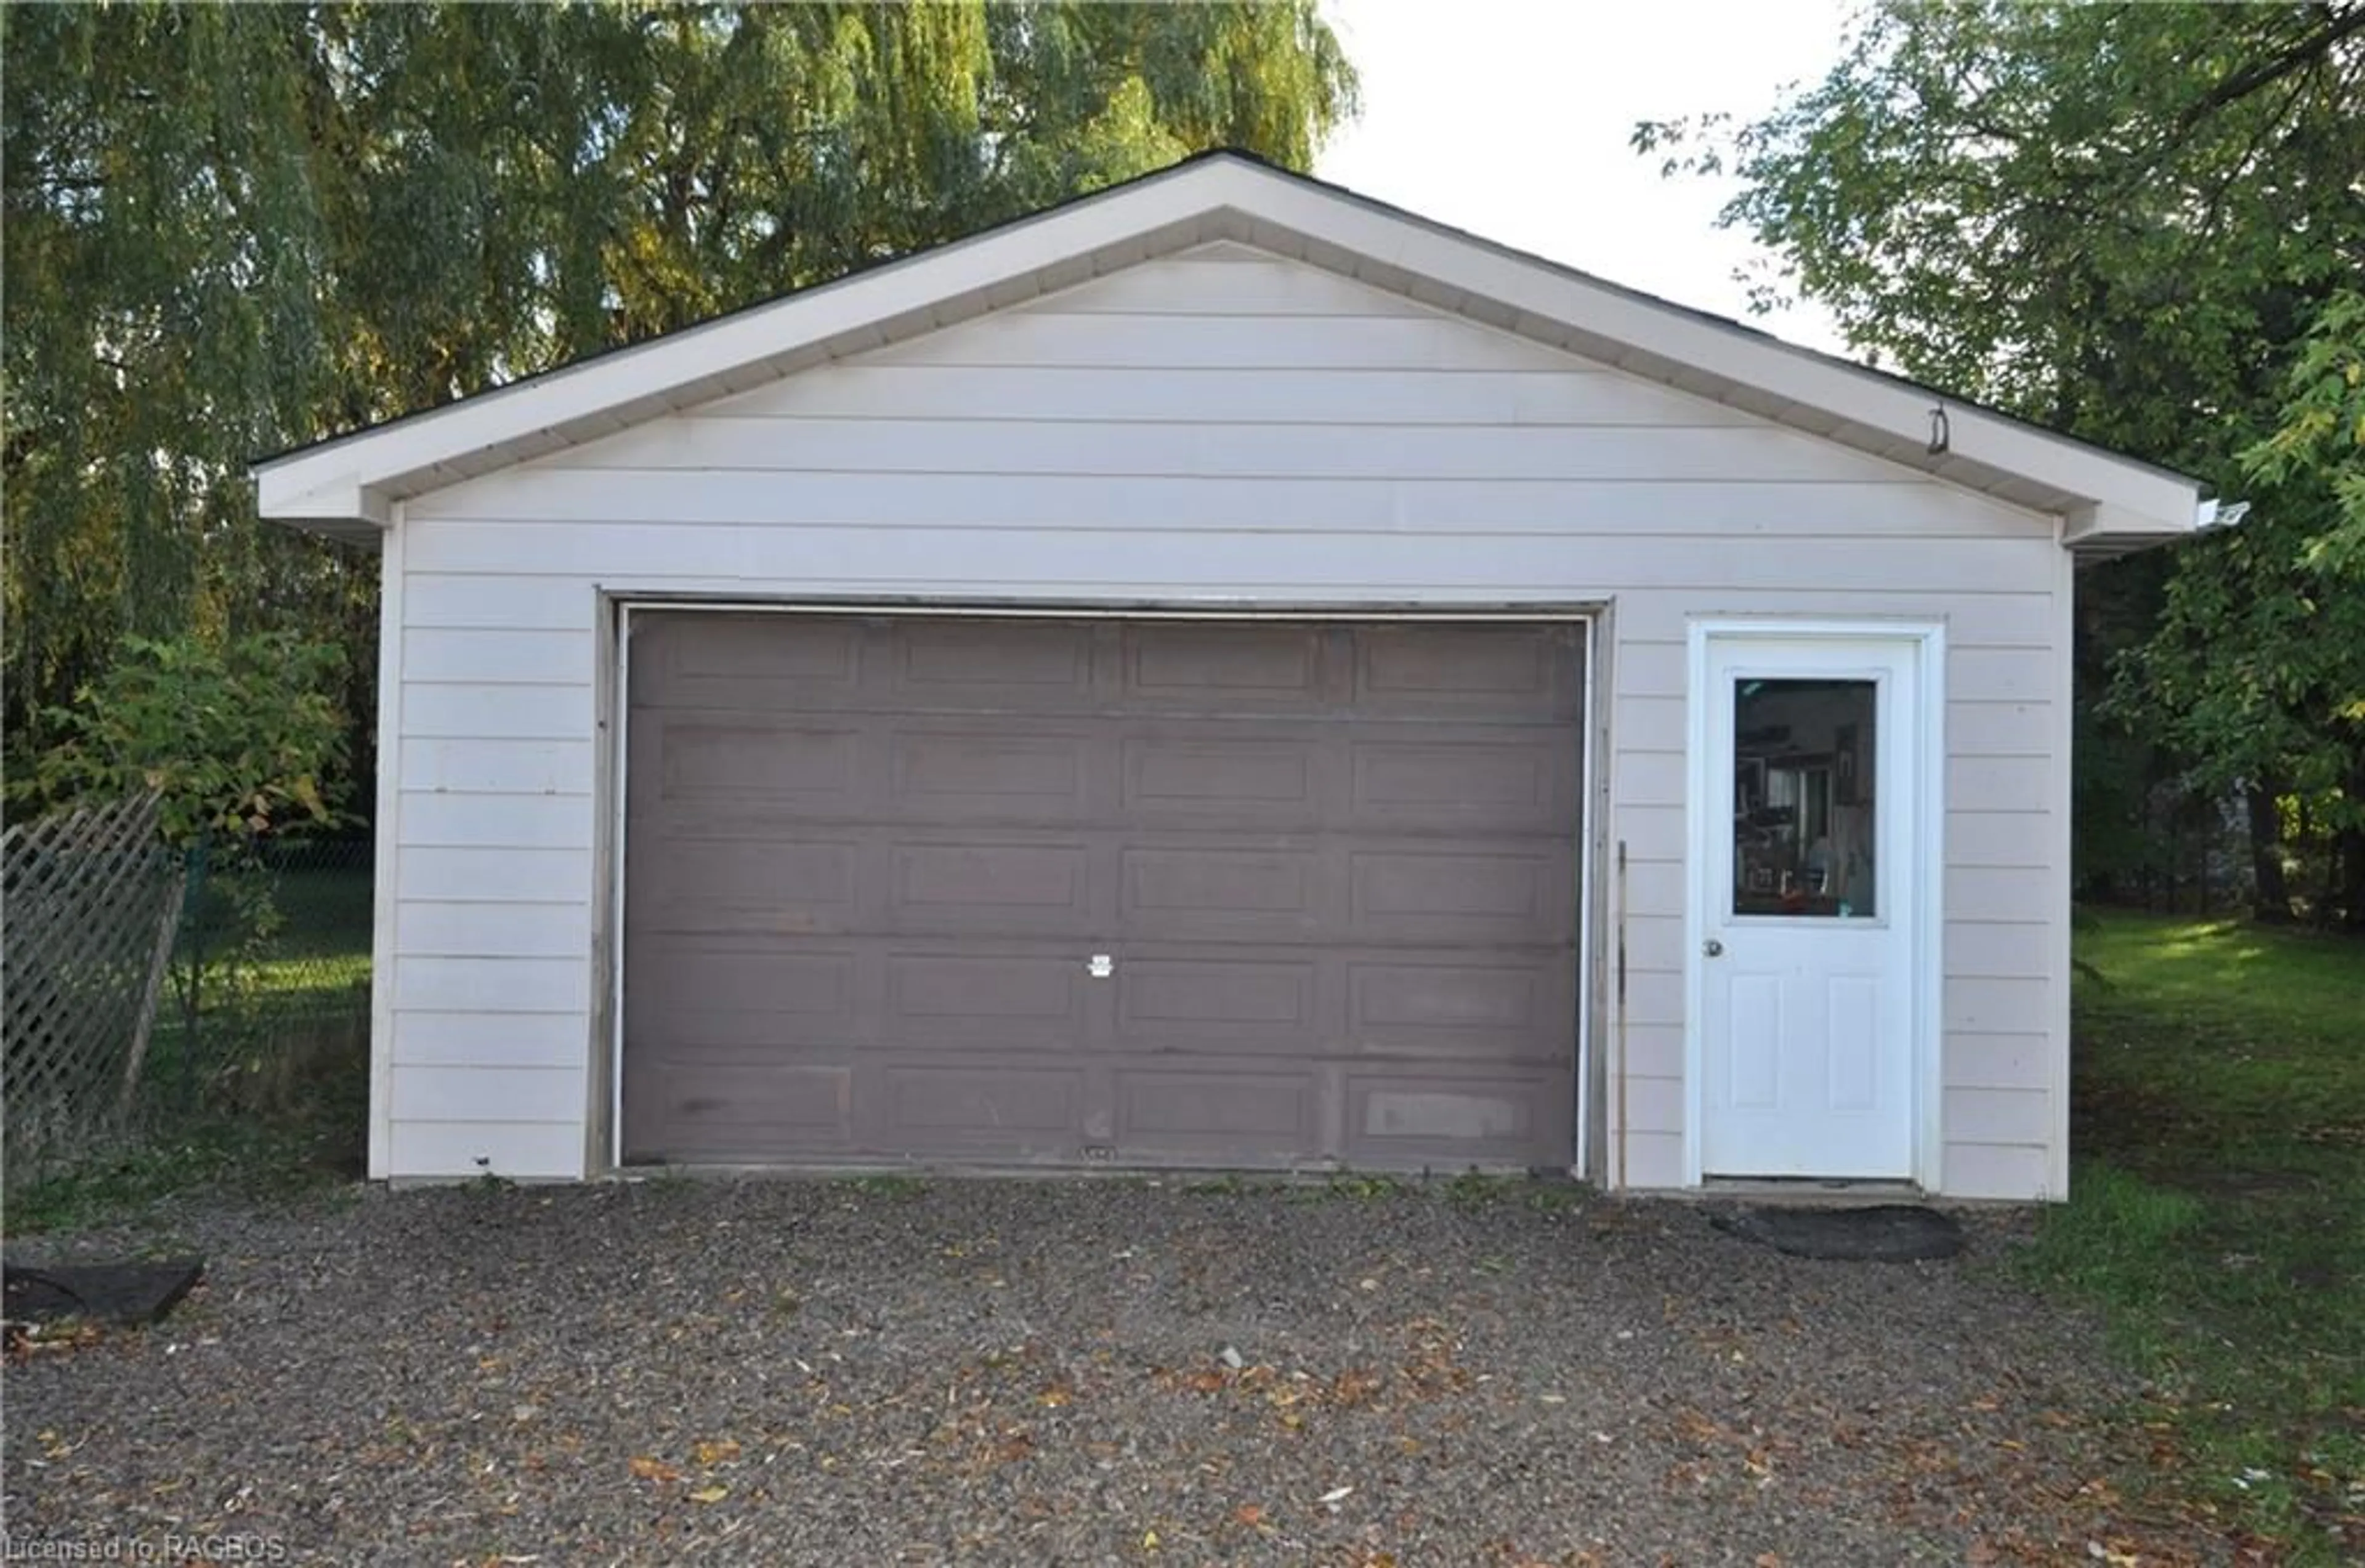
[[876, 868]]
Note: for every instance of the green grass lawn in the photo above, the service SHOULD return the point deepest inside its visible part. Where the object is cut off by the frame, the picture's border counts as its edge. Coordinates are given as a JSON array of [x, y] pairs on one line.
[[2217, 1216]]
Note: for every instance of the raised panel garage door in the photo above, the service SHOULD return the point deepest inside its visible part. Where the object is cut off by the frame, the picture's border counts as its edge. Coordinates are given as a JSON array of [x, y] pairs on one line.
[[876, 867]]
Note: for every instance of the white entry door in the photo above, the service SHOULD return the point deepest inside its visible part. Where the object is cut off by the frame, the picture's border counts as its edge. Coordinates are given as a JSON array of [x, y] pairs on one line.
[[1806, 960]]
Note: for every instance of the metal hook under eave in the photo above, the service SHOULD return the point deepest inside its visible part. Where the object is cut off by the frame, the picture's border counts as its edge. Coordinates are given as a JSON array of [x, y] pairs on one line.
[[1941, 433]]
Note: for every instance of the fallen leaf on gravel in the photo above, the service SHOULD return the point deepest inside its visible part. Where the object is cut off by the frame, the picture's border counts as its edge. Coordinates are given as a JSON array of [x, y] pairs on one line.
[[649, 1469], [714, 1450], [1150, 1540], [1249, 1513], [1054, 1396], [709, 1494], [1697, 1427], [1768, 1560]]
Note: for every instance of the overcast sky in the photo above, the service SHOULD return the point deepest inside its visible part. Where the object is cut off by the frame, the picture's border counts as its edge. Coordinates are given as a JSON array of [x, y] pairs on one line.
[[1510, 119]]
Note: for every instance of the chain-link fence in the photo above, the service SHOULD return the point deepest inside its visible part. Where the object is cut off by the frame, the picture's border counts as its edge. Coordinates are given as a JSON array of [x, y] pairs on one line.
[[269, 1005]]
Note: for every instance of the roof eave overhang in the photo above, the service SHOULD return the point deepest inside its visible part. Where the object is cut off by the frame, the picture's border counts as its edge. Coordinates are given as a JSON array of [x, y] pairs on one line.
[[348, 486]]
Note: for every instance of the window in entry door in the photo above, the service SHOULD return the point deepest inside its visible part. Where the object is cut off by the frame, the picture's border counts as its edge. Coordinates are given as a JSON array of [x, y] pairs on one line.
[[1804, 793]]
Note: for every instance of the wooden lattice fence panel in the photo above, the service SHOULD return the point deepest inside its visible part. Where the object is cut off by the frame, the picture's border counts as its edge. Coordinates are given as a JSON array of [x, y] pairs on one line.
[[92, 898]]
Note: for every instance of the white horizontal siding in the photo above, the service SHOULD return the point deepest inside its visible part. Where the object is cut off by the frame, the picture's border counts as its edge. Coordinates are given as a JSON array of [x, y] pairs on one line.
[[2008, 1117], [1730, 512], [1217, 429], [473, 711], [2001, 783], [1653, 1104], [1986, 1004], [556, 602], [504, 1094], [1998, 1061], [1036, 341], [1653, 1050], [1655, 997], [1978, 726], [1216, 282], [491, 930], [487, 766], [517, 1151], [1987, 619], [1573, 395], [1354, 455], [496, 875], [1995, 839], [1993, 1170], [426, 1038], [1994, 893], [1649, 777], [2002, 675], [1652, 1159], [515, 657], [1652, 724], [443, 984], [1384, 563], [1655, 886], [1999, 949], [450, 820]]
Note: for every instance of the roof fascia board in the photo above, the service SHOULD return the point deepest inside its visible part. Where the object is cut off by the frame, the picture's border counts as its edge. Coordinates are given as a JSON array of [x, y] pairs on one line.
[[2104, 520], [1849, 393], [332, 507]]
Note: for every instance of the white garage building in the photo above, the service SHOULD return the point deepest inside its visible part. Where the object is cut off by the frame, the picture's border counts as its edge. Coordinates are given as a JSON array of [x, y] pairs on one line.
[[1225, 673]]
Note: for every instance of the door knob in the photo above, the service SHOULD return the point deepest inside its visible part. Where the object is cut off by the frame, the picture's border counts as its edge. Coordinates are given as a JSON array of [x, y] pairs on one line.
[[1713, 948]]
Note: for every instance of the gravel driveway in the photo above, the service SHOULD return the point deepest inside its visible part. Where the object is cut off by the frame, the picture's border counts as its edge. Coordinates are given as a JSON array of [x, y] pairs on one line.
[[846, 1372]]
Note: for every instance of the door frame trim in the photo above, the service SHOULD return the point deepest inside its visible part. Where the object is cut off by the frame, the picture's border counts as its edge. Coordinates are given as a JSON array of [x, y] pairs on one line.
[[1926, 896], [618, 603]]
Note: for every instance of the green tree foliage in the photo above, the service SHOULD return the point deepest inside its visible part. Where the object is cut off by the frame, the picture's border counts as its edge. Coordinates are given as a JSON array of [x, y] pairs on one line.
[[2324, 429], [233, 229], [237, 739], [2124, 221]]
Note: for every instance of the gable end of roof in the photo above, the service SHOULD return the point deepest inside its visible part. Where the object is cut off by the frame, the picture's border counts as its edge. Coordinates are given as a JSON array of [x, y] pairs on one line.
[[347, 486]]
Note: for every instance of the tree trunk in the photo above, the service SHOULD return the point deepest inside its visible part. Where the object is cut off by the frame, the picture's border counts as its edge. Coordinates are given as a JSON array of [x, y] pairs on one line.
[[2350, 849], [2270, 895]]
